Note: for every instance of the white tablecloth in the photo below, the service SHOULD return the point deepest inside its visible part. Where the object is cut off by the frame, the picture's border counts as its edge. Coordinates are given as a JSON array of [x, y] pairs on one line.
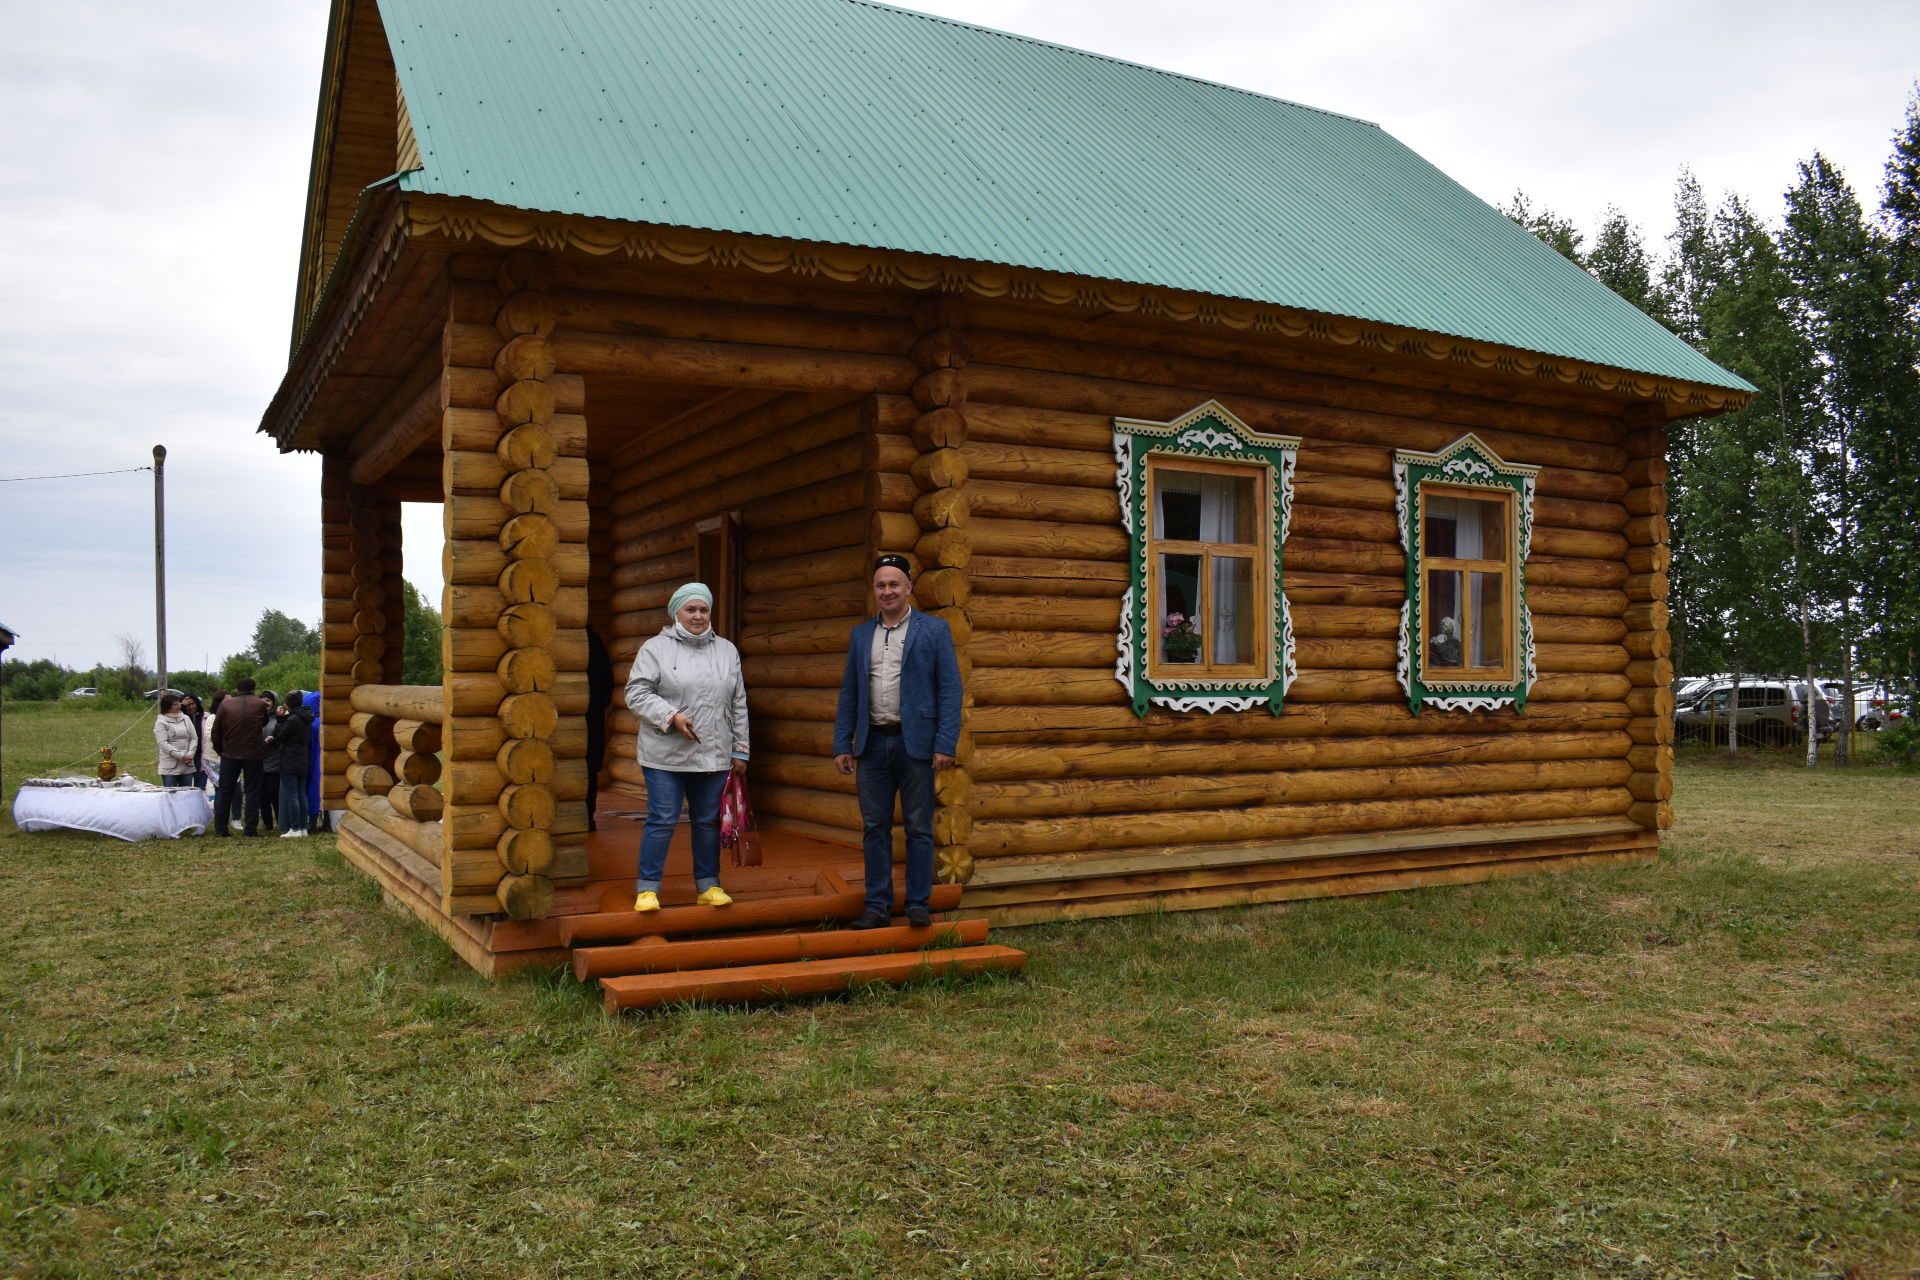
[[129, 815]]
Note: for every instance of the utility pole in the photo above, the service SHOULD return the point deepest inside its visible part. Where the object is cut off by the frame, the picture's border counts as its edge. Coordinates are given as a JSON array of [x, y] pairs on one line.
[[160, 565]]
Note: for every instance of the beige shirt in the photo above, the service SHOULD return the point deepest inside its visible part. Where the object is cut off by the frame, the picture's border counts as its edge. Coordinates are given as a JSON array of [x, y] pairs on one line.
[[883, 671]]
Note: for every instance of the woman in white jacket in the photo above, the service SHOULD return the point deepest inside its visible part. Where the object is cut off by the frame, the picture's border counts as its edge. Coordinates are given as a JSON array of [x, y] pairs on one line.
[[174, 736], [688, 693]]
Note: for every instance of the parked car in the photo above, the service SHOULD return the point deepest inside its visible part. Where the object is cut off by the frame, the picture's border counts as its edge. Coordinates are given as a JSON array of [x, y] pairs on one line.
[[151, 694], [1771, 711], [1877, 706], [84, 691]]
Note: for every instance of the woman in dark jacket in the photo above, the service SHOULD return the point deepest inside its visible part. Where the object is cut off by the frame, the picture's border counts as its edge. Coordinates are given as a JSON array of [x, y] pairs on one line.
[[287, 754]]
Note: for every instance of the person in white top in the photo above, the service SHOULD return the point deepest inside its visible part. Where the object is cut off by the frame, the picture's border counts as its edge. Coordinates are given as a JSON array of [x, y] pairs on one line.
[[687, 690], [174, 736]]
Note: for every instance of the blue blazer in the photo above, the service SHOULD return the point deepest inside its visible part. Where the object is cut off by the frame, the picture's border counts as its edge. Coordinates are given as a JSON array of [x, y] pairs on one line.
[[929, 690]]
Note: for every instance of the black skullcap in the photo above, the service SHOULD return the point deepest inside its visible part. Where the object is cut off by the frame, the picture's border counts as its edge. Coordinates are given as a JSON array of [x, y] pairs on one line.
[[891, 561]]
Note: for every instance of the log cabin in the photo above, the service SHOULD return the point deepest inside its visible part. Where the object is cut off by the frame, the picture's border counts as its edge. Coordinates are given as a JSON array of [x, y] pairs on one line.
[[1299, 518]]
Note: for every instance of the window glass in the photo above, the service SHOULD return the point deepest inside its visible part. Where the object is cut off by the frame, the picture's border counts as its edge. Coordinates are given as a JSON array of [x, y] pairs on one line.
[[1204, 507], [1212, 581], [1179, 603], [1233, 613], [1466, 609], [1466, 528], [1489, 608], [1444, 620]]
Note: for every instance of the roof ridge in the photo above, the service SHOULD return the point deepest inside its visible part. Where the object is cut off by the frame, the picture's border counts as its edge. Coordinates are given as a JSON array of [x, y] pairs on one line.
[[1107, 57]]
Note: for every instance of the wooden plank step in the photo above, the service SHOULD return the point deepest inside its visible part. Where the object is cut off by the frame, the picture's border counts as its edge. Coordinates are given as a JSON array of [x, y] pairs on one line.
[[719, 953], [762, 913], [803, 978]]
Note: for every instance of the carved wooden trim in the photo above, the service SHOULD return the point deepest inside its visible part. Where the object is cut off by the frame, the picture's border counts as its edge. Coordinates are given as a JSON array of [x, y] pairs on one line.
[[467, 220]]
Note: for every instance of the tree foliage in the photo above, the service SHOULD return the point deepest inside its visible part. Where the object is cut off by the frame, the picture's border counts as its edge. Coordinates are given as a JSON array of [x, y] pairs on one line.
[[421, 643], [276, 636]]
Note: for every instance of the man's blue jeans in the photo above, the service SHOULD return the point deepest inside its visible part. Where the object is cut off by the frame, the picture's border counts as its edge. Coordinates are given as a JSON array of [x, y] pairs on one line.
[[667, 790], [886, 770]]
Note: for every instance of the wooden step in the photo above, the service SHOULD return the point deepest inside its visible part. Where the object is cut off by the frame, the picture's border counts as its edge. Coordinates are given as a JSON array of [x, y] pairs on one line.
[[761, 913], [590, 963], [801, 978]]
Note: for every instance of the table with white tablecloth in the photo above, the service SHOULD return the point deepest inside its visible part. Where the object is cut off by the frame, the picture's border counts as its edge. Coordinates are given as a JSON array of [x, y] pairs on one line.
[[127, 811]]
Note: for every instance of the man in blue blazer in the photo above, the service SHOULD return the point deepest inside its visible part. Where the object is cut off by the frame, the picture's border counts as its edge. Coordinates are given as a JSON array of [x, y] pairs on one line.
[[899, 718]]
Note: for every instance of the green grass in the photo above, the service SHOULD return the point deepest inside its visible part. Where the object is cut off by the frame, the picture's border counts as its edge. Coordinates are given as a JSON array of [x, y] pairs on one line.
[[228, 1059]]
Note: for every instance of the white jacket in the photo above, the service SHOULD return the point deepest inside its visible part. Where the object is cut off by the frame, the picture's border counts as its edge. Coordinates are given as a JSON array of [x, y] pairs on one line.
[[173, 735], [701, 678]]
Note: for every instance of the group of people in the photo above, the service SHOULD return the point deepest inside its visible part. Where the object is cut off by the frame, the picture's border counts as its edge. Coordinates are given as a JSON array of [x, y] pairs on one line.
[[897, 724], [257, 750]]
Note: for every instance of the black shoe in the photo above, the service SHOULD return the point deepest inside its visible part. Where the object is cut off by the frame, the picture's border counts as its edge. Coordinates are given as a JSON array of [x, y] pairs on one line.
[[919, 917], [871, 920]]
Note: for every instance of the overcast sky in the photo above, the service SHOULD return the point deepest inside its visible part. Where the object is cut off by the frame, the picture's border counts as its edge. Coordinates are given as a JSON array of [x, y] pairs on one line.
[[153, 162]]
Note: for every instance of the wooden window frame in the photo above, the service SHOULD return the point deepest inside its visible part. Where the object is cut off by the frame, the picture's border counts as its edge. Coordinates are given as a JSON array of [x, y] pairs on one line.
[[1507, 567], [1260, 551], [1206, 438], [1466, 468]]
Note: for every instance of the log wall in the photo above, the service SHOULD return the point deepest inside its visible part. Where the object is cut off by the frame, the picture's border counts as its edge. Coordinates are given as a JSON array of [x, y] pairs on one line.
[[515, 481], [1063, 769]]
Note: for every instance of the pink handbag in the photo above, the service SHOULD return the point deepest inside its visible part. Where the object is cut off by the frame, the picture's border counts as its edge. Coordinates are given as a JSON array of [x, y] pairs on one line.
[[736, 822]]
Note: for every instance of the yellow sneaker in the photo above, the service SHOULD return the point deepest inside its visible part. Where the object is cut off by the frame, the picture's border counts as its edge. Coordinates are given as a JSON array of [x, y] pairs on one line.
[[648, 901], [714, 897]]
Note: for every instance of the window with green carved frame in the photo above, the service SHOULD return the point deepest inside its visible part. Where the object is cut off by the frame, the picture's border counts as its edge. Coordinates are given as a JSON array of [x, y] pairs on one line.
[[1466, 518], [1204, 625]]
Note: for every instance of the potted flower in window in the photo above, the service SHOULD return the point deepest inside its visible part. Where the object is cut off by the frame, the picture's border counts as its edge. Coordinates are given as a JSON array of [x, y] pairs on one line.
[[1178, 639]]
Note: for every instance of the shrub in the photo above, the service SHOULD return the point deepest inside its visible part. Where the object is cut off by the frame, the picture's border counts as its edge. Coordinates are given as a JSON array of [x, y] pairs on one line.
[[1899, 743]]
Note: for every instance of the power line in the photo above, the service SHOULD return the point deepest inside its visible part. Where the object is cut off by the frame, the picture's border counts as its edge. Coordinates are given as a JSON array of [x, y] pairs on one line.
[[75, 475]]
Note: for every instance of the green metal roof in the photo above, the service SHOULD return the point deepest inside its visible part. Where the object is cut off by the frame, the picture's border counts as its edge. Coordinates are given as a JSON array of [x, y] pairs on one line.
[[848, 122]]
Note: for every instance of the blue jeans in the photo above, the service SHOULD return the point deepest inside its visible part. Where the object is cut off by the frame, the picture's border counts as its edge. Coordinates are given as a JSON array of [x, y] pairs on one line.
[[176, 779], [293, 802], [886, 770], [667, 790]]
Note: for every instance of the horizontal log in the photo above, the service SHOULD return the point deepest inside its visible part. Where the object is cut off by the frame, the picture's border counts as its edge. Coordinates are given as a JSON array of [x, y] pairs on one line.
[[424, 838], [812, 635], [1053, 503], [1006, 686], [828, 462], [798, 671], [471, 561], [792, 704], [369, 779], [670, 474], [470, 515], [1343, 556], [1317, 366], [481, 648], [1314, 587], [1055, 614], [1184, 759], [401, 701], [478, 429], [1054, 389], [481, 737], [1042, 648], [1344, 523], [828, 600], [1001, 837], [817, 568], [1046, 576], [1218, 790], [1041, 539], [1038, 464], [417, 803], [1581, 657], [406, 428], [1060, 723], [1556, 571], [729, 322], [475, 606], [729, 364]]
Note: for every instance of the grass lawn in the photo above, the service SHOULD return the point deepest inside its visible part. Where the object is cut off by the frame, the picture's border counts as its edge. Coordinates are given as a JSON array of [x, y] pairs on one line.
[[226, 1058]]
